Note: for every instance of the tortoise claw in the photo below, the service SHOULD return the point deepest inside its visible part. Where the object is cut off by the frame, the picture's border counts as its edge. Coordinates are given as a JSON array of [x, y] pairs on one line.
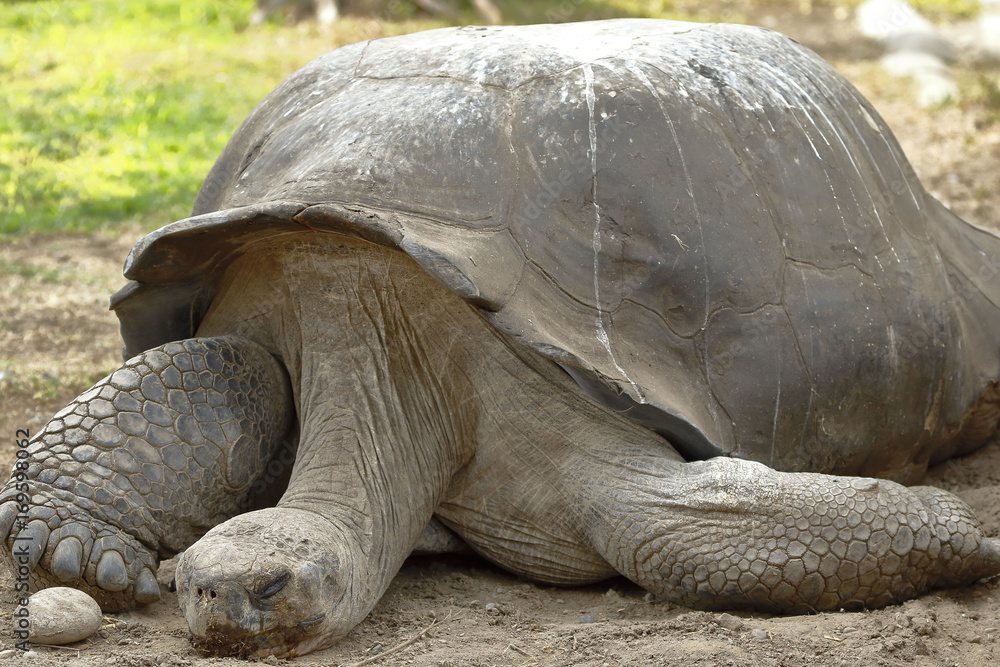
[[111, 572], [36, 534], [67, 560], [989, 556], [69, 547], [8, 512], [147, 590]]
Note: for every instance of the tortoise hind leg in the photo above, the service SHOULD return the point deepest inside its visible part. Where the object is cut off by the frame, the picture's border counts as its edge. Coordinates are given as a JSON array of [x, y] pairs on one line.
[[729, 533], [141, 464], [560, 488]]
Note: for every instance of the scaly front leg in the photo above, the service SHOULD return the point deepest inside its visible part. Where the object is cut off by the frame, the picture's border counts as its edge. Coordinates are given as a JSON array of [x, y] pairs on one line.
[[140, 465]]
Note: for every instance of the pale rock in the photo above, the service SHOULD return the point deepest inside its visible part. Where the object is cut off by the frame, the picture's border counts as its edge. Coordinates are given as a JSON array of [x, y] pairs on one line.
[[62, 615]]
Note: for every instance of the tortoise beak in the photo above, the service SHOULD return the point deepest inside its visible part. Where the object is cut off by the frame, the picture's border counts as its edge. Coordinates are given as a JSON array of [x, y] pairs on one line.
[[237, 601], [225, 617], [221, 611]]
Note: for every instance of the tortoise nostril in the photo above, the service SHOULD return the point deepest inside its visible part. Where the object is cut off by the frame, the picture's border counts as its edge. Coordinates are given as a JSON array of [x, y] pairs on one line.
[[206, 592]]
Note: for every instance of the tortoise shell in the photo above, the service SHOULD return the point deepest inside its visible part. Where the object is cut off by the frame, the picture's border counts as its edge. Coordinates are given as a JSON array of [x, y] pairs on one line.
[[705, 225]]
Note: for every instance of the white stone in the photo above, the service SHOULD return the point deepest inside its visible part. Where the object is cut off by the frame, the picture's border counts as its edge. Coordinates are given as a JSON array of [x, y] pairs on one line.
[[913, 64], [62, 615], [934, 90], [989, 29], [885, 19]]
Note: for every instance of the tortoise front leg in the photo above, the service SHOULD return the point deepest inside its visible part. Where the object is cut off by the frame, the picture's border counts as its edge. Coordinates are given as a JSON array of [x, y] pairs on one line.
[[291, 579], [141, 465], [728, 533]]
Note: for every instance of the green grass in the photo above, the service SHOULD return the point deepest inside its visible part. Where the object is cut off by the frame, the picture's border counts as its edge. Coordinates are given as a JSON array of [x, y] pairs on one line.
[[107, 117], [31, 272], [985, 93], [937, 10], [113, 111], [47, 384]]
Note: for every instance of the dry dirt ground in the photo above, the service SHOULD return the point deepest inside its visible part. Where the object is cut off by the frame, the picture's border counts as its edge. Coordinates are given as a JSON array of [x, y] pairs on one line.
[[56, 337]]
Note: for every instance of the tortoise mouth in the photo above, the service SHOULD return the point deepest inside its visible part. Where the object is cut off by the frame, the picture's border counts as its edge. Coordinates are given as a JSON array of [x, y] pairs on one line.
[[280, 642], [244, 591], [229, 618]]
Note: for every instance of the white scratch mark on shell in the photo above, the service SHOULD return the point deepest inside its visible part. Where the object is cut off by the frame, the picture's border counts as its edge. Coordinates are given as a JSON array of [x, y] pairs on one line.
[[819, 158], [893, 352], [602, 335], [810, 363], [819, 108], [871, 123], [777, 409]]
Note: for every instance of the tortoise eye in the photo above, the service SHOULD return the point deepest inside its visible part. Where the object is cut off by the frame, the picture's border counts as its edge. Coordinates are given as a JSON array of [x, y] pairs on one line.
[[278, 583]]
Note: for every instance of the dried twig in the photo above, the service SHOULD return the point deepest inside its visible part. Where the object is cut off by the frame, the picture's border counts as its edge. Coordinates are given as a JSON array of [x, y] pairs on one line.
[[399, 647], [517, 649], [61, 648]]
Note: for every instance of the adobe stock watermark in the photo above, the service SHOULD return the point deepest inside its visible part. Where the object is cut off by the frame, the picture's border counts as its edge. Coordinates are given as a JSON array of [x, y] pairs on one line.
[[986, 271], [564, 12], [567, 9], [757, 156], [755, 332], [554, 189], [890, 188], [20, 552], [394, 10], [884, 19], [387, 12]]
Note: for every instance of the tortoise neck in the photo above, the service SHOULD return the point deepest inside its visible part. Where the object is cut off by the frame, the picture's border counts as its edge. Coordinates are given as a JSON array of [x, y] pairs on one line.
[[380, 360]]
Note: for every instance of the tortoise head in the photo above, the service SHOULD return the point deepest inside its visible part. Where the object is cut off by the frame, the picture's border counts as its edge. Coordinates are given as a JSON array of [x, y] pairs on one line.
[[271, 582]]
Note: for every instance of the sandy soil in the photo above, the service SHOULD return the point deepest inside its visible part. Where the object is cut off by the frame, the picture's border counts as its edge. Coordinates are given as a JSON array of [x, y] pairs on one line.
[[54, 325]]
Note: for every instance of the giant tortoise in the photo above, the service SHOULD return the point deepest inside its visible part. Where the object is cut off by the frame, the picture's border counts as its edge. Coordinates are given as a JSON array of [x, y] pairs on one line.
[[634, 297]]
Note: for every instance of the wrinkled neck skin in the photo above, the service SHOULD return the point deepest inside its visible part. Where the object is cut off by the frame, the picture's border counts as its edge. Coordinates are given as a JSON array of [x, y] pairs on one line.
[[379, 359]]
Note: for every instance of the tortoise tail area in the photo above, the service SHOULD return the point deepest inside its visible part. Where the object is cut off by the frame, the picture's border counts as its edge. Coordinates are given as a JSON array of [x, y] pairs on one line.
[[971, 260]]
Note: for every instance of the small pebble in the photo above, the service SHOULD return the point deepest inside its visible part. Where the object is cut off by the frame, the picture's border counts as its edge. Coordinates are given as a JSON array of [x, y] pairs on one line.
[[729, 622], [849, 629], [62, 615], [376, 649], [759, 635], [989, 630], [587, 618], [29, 655], [9, 653], [491, 607]]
